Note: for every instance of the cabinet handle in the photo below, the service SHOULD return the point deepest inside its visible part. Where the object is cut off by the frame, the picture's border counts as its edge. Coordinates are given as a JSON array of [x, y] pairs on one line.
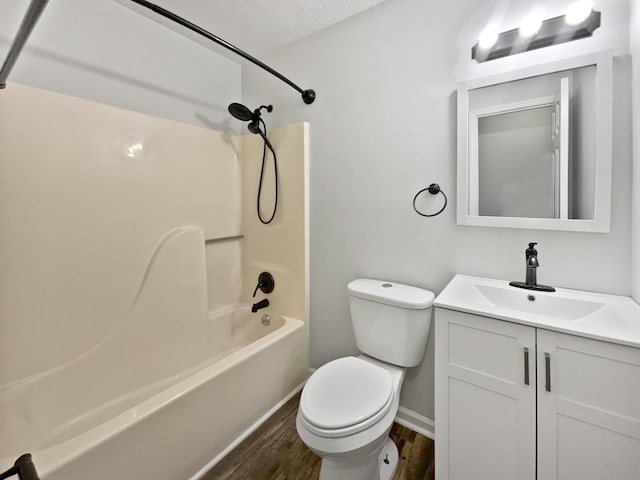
[[526, 366], [547, 368]]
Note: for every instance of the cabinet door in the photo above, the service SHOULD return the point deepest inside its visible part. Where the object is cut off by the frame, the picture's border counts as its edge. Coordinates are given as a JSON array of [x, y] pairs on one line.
[[485, 398], [588, 409]]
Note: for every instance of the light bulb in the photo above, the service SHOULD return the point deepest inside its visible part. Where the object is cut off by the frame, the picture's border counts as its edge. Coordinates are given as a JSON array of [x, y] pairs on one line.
[[488, 37], [578, 12], [530, 25], [134, 150]]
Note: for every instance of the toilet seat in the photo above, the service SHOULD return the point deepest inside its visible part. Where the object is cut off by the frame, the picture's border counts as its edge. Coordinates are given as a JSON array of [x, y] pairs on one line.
[[345, 396]]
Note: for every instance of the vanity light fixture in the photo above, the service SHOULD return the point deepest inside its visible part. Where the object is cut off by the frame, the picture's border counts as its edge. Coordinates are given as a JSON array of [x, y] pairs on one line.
[[488, 37], [578, 12], [530, 25], [551, 31]]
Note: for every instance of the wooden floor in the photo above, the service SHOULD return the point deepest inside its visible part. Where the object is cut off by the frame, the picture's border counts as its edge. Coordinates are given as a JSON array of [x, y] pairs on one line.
[[275, 452]]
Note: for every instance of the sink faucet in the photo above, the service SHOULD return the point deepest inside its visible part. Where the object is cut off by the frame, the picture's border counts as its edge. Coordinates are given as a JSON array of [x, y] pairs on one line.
[[531, 254], [261, 304], [531, 282]]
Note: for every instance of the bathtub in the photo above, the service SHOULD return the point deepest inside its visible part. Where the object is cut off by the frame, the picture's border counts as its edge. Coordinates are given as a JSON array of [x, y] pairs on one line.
[[166, 392], [176, 428]]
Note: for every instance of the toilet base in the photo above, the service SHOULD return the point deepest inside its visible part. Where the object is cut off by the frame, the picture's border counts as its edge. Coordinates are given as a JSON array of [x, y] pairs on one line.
[[388, 460], [380, 464]]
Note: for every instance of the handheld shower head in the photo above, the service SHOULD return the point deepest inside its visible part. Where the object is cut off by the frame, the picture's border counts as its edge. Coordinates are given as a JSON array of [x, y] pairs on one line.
[[254, 126], [257, 126]]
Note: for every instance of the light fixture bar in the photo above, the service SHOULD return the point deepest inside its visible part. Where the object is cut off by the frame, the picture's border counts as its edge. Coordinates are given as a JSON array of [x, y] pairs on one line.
[[553, 31]]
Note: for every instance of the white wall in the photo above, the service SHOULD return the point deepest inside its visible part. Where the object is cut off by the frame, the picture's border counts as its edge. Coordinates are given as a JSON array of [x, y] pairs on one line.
[[382, 128], [103, 51], [635, 240]]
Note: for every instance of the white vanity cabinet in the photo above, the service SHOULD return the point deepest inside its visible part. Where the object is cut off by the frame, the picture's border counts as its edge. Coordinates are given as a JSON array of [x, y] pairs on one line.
[[588, 408], [516, 402]]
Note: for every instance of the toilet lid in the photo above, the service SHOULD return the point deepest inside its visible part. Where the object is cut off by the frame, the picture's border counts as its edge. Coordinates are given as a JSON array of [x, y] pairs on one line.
[[345, 392]]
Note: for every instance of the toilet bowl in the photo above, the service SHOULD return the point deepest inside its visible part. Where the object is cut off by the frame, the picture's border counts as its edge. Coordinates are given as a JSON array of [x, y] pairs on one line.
[[349, 430], [348, 405]]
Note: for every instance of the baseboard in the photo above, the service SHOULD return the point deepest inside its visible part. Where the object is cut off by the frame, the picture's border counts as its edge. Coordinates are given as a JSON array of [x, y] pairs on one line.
[[416, 422], [200, 473]]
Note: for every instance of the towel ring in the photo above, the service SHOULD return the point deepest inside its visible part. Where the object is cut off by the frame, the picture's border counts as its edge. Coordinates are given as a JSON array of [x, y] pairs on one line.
[[433, 189]]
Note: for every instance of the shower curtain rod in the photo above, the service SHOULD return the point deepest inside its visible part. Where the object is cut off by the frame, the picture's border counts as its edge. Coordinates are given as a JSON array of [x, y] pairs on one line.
[[308, 96], [37, 6]]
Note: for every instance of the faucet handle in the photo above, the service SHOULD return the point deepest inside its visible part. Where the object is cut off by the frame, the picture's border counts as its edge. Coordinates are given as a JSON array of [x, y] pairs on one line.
[[260, 285], [266, 283], [531, 250]]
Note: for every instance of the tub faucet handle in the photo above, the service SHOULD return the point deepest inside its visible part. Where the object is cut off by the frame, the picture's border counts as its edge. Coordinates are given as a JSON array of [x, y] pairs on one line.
[[266, 283]]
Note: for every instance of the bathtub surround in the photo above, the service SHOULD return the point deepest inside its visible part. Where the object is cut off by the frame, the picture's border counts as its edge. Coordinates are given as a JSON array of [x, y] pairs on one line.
[[121, 231], [384, 125], [87, 192], [278, 248]]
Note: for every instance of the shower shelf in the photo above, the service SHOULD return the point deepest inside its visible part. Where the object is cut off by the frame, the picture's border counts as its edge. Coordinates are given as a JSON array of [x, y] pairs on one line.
[[228, 238]]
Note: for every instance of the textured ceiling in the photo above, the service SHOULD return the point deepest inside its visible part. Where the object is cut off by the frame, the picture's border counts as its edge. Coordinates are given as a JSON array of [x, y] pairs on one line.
[[259, 26]]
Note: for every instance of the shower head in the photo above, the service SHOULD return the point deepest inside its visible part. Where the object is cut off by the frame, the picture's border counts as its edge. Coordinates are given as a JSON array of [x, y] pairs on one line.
[[240, 112]]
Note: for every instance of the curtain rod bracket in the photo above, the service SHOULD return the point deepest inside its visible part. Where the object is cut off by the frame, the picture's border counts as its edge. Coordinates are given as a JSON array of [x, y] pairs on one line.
[[308, 96]]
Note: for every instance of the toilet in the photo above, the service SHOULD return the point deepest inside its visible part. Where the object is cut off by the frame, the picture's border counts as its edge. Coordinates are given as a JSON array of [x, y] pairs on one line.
[[348, 405]]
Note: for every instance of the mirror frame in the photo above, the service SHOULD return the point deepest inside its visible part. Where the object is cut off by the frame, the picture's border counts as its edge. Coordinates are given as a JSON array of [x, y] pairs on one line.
[[601, 221]]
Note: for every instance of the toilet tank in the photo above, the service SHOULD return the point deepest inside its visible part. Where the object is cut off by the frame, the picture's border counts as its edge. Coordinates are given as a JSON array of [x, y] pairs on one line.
[[391, 321]]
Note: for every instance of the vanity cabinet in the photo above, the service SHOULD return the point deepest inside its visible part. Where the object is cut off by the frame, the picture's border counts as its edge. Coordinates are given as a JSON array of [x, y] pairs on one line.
[[520, 402]]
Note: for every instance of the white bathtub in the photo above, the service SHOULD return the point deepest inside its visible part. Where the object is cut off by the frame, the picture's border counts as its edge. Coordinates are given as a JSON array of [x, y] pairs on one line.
[[170, 429]]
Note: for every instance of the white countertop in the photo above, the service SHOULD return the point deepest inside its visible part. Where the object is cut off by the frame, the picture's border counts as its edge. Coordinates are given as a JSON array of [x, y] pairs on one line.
[[599, 316]]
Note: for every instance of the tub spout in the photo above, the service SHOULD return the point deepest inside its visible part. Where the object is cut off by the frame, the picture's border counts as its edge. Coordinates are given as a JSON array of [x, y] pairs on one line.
[[23, 467], [261, 304]]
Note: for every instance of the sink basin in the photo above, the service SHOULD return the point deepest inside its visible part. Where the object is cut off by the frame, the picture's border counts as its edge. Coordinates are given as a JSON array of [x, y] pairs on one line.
[[537, 303], [595, 315]]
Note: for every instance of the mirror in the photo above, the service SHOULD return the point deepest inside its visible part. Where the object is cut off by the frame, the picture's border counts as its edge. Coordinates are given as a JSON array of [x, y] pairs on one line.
[[534, 147]]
